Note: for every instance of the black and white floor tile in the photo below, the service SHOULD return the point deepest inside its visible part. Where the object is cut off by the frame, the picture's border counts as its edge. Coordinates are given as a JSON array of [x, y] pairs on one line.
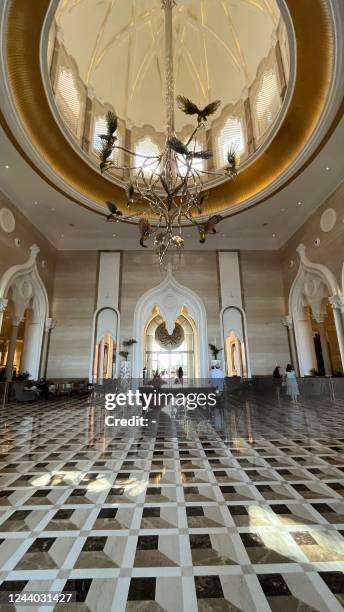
[[240, 509]]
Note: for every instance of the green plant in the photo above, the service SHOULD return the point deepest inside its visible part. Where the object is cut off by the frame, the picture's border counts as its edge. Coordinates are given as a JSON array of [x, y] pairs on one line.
[[214, 350], [23, 376]]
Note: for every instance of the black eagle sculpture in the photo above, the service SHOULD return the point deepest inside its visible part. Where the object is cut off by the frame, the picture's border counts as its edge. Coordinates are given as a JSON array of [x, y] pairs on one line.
[[189, 108]]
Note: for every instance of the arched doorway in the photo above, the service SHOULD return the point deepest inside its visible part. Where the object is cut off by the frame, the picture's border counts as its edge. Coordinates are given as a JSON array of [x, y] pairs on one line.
[[173, 300], [22, 288], [165, 352], [234, 341], [317, 327]]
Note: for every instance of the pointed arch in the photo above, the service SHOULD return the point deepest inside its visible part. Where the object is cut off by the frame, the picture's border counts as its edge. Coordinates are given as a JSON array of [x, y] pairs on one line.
[[23, 287], [314, 284], [170, 297]]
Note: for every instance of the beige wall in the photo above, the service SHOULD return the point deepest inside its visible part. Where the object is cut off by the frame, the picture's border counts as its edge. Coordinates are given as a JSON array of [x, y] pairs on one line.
[[11, 255], [75, 294], [331, 250], [73, 308], [264, 307]]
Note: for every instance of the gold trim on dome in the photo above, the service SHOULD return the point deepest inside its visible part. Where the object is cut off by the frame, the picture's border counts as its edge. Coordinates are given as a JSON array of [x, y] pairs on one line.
[[313, 34]]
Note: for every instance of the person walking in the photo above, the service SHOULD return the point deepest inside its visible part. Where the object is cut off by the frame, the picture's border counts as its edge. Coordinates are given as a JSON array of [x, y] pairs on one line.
[[292, 386]]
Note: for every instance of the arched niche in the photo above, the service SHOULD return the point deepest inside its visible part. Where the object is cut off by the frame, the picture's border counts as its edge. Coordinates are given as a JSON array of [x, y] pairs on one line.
[[104, 361], [23, 288], [234, 332], [172, 299]]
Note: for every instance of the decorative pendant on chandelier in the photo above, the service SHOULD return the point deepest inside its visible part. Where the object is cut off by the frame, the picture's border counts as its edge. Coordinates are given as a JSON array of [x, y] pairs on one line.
[[169, 184]]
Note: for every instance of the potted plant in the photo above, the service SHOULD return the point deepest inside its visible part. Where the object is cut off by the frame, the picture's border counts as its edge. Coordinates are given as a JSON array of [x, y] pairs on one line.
[[126, 366], [126, 345], [23, 376]]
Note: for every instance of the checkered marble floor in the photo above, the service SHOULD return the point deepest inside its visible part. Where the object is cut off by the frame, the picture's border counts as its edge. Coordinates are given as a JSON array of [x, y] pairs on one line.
[[237, 509]]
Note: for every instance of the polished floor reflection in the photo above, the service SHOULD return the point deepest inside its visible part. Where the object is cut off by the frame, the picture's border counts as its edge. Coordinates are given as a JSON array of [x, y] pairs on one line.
[[238, 509]]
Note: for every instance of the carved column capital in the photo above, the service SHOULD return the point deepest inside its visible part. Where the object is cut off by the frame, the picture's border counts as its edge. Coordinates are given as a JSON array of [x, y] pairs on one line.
[[165, 4], [3, 304], [287, 321], [50, 324], [319, 317], [337, 302], [16, 320]]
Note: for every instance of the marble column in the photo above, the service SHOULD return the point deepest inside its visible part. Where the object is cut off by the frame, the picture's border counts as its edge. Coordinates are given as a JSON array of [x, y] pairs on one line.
[[15, 322], [287, 321], [337, 304], [49, 325], [320, 319]]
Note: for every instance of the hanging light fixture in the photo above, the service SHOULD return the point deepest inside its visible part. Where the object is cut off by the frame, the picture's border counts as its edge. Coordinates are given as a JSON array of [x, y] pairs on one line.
[[170, 184]]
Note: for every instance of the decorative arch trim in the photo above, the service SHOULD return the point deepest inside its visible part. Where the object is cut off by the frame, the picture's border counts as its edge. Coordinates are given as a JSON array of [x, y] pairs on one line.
[[94, 337], [319, 270], [305, 348], [31, 291], [170, 296]]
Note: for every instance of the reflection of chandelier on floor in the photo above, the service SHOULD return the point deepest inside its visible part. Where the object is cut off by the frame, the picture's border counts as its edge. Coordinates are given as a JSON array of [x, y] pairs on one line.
[[170, 183]]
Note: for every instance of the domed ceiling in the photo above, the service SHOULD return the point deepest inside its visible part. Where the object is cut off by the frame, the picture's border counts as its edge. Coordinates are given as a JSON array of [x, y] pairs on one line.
[[269, 61], [118, 50]]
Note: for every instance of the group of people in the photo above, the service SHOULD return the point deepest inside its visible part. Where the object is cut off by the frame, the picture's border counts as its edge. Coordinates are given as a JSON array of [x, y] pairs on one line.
[[287, 380]]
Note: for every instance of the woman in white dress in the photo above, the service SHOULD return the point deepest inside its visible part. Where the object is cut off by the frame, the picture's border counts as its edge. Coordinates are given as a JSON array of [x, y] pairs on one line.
[[291, 382]]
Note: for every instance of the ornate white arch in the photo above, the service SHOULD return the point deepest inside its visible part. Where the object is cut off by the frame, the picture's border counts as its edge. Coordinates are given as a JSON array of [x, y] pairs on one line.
[[313, 284], [22, 286], [170, 297]]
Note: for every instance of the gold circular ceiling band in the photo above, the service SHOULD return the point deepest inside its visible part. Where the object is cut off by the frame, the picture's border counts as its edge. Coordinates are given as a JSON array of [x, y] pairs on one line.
[[314, 70]]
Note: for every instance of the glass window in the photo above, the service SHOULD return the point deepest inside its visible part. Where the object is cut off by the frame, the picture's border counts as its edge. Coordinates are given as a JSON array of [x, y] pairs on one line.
[[268, 101], [68, 100], [231, 137], [100, 128], [147, 147]]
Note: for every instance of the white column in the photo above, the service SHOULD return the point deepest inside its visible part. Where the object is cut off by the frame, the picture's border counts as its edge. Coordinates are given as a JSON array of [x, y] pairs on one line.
[[320, 319], [337, 303], [287, 321], [12, 346], [49, 325], [305, 344], [100, 373], [3, 304]]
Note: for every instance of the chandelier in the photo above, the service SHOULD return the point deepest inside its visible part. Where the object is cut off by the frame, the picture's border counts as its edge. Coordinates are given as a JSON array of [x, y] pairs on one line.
[[170, 185]]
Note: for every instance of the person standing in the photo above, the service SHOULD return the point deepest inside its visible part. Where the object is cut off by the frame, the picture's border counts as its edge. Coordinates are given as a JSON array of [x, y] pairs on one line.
[[216, 373], [292, 386], [277, 380], [180, 375]]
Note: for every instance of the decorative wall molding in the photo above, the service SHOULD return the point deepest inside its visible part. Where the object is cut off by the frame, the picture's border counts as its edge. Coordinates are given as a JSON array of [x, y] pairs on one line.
[[314, 286]]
